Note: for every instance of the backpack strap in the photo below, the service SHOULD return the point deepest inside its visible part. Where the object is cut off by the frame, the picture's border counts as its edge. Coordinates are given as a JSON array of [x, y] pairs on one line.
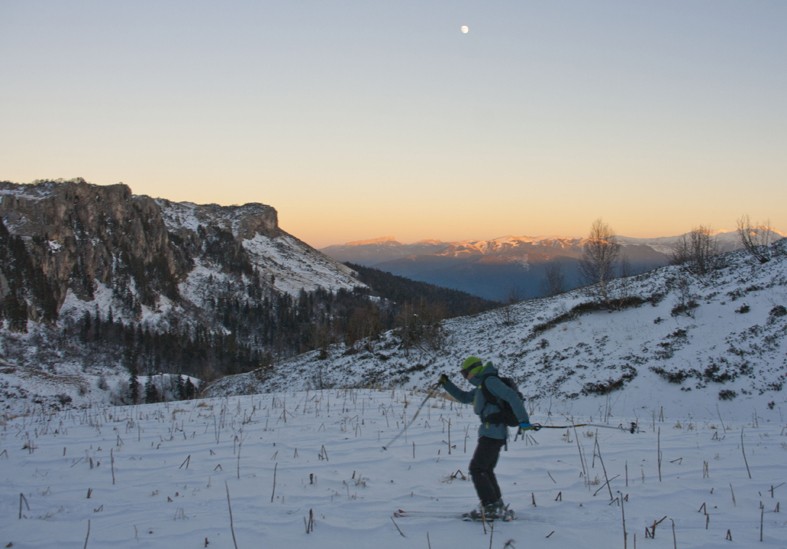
[[487, 393], [494, 417]]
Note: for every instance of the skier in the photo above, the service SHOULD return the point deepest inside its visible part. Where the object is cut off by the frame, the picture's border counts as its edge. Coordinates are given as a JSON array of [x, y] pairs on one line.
[[492, 434]]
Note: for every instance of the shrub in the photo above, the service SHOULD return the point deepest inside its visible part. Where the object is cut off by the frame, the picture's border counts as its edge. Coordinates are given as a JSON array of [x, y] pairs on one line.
[[778, 311], [671, 376], [727, 394], [684, 308]]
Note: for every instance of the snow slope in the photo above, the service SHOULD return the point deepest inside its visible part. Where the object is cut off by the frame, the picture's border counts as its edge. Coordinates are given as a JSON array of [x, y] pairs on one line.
[[307, 469], [679, 341]]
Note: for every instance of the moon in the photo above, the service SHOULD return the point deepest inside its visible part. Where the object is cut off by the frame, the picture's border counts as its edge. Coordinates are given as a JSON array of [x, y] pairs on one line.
[[465, 29]]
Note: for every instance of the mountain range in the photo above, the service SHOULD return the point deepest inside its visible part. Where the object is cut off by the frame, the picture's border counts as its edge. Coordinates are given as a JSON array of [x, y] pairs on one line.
[[509, 268]]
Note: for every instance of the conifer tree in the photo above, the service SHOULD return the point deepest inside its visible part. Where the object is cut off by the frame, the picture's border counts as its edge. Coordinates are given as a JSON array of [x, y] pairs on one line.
[[133, 384], [151, 392]]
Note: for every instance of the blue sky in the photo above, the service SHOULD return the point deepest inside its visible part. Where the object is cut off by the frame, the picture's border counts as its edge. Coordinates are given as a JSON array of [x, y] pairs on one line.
[[361, 119]]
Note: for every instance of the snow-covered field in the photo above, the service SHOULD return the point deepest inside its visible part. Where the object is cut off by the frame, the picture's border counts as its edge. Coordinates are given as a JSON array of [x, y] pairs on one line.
[[698, 362], [308, 469]]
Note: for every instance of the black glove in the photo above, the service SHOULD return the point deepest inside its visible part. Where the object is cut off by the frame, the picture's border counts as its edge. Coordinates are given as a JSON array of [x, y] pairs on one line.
[[443, 379]]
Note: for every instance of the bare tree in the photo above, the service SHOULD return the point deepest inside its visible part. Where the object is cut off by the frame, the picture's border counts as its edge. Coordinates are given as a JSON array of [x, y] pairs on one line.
[[697, 250], [554, 281], [599, 253], [756, 239]]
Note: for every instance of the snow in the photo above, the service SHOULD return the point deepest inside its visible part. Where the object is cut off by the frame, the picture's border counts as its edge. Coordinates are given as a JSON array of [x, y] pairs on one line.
[[295, 267], [168, 475], [179, 215], [703, 469], [732, 341], [74, 308]]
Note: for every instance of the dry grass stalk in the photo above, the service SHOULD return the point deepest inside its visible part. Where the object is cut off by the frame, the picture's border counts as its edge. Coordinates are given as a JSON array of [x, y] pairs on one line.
[[651, 534], [597, 452], [397, 528], [743, 450], [762, 519], [229, 506], [310, 522], [623, 518], [658, 452], [22, 499], [581, 458], [273, 491]]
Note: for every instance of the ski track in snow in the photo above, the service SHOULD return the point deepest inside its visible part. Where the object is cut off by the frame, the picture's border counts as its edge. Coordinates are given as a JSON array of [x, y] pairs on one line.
[[283, 456]]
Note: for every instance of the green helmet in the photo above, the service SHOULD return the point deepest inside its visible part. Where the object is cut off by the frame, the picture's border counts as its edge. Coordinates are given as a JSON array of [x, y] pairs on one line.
[[472, 366]]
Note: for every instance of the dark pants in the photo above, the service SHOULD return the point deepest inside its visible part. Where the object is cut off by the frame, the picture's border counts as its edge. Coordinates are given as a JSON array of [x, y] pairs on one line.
[[482, 469]]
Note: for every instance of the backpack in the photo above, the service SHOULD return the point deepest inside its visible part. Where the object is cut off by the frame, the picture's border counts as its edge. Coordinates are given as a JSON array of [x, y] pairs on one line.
[[506, 414]]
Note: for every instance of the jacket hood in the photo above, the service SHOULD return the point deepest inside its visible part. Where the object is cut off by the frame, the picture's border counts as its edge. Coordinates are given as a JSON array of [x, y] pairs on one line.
[[489, 370]]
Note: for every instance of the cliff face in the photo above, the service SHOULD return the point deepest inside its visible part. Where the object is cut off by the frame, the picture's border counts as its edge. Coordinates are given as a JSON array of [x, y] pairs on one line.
[[79, 234], [96, 281], [138, 252]]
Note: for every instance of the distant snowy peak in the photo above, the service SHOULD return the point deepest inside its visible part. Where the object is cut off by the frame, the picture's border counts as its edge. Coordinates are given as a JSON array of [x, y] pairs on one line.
[[380, 241], [510, 244], [388, 248]]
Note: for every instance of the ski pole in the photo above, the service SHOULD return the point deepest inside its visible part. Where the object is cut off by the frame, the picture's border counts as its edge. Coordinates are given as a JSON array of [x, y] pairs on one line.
[[415, 415], [538, 426]]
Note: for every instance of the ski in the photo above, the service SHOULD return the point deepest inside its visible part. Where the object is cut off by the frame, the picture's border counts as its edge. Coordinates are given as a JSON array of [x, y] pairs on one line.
[[507, 516], [407, 513]]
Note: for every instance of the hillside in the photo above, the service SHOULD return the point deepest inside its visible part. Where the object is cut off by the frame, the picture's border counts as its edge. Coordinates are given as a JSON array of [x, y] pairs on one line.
[[398, 289], [94, 278], [99, 286], [672, 338]]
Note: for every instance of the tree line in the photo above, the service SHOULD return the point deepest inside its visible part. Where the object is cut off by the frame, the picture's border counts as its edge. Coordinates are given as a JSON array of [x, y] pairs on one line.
[[696, 251]]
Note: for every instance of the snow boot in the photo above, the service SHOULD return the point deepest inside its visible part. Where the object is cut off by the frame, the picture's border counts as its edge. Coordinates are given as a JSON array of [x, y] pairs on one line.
[[490, 512]]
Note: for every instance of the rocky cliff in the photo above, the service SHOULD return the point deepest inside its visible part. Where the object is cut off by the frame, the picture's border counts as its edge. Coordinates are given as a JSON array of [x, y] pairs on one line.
[[105, 265], [80, 234]]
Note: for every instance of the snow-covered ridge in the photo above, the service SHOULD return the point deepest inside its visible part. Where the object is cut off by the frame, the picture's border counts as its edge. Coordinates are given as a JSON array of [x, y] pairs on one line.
[[292, 264], [242, 221], [726, 240], [678, 337]]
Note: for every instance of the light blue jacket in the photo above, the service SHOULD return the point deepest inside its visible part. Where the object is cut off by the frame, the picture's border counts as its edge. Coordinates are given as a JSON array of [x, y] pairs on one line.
[[482, 407]]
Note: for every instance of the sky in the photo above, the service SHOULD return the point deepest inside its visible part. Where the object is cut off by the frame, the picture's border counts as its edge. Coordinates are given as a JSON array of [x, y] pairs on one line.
[[359, 119]]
